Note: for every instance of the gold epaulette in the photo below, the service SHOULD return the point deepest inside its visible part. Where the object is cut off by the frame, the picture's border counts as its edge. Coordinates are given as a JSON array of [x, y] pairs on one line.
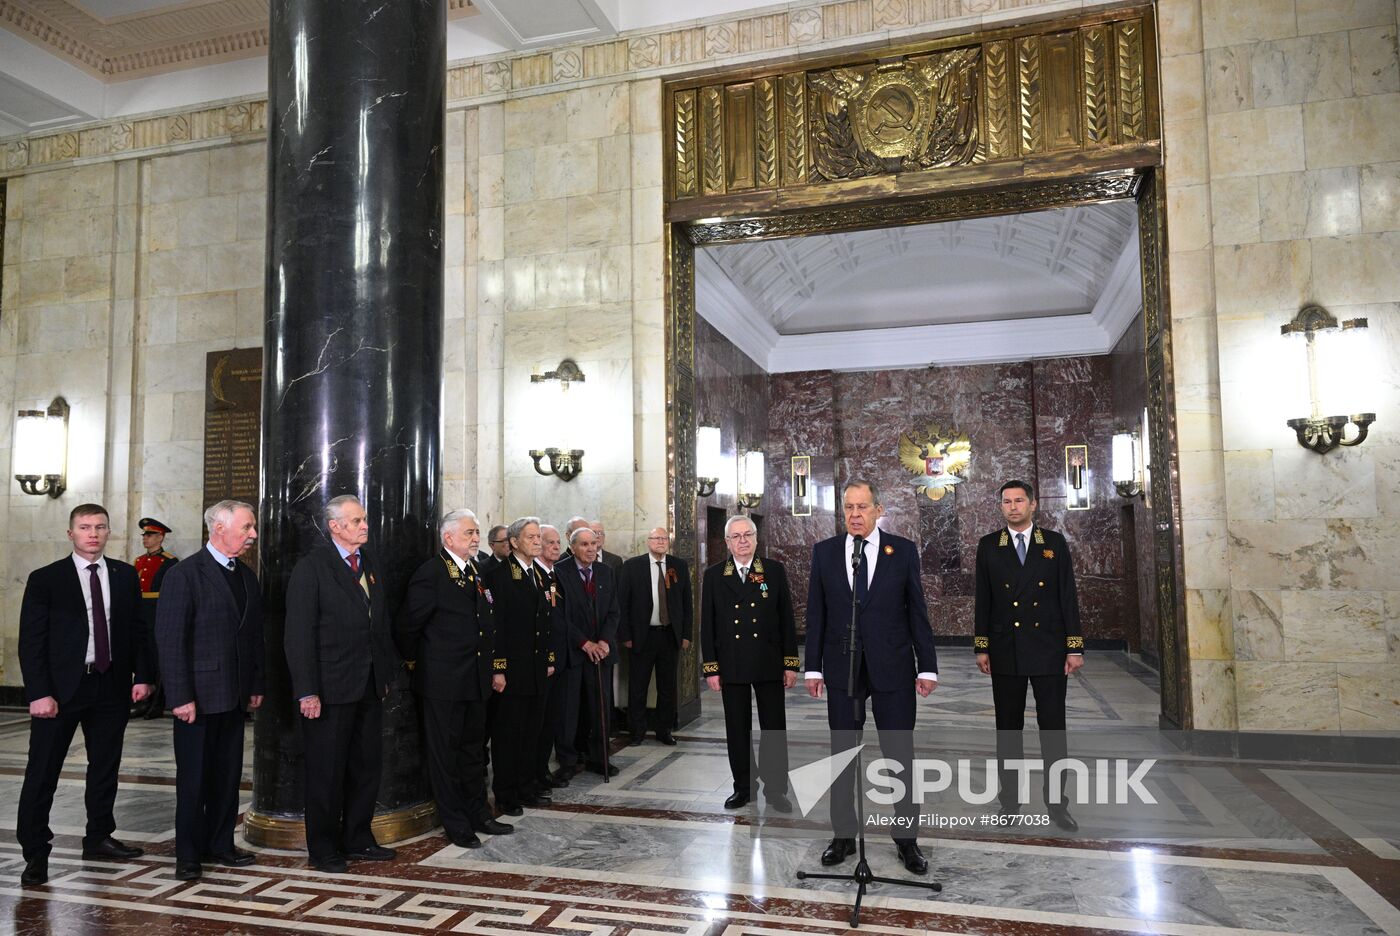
[[710, 669], [1074, 643], [790, 663], [1004, 539], [499, 665], [979, 643], [1039, 540]]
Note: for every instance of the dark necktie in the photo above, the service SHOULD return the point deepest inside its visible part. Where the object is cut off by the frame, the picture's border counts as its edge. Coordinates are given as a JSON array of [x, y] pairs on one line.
[[862, 579], [101, 648], [744, 574], [588, 587], [663, 614], [1021, 547], [232, 564], [354, 560]]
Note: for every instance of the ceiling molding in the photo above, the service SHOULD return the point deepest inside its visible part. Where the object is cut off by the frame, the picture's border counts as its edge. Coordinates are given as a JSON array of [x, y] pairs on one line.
[[172, 37], [512, 17]]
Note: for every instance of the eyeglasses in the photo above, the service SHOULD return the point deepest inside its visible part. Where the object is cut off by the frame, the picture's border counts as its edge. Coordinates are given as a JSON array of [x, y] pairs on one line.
[[742, 536], [497, 542]]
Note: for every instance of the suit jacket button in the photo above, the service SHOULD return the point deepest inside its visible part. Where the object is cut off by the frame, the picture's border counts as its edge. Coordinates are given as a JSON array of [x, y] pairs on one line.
[[753, 604], [1015, 604], [1006, 586], [1037, 623], [755, 635], [1016, 624], [1042, 584]]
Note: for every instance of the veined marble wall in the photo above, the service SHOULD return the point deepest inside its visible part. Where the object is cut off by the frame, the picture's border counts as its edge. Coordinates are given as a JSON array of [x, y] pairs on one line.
[[1281, 140]]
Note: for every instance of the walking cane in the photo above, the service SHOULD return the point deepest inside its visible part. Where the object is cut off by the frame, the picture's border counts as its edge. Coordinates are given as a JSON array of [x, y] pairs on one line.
[[602, 716]]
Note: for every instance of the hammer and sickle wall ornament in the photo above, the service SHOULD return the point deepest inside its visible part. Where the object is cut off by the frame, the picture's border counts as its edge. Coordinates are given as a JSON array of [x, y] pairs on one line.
[[937, 458], [897, 116]]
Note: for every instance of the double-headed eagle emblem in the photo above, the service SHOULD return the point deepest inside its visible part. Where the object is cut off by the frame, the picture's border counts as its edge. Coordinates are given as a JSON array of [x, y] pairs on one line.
[[939, 459]]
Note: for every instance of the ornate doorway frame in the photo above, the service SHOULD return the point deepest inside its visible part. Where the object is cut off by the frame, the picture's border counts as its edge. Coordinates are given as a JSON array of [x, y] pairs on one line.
[[1046, 115]]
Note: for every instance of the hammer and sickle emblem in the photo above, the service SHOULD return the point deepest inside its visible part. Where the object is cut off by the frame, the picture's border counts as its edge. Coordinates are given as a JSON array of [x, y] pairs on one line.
[[892, 112]]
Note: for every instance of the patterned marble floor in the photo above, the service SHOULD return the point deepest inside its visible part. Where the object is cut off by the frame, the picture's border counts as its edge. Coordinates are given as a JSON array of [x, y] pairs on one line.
[[1272, 848]]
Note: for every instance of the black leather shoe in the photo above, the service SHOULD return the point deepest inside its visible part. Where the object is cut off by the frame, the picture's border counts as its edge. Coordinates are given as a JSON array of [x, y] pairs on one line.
[[493, 827], [838, 851], [613, 769], [549, 782], [1059, 814], [778, 802], [372, 853], [914, 860], [537, 801], [562, 776], [510, 809], [636, 739], [36, 872], [335, 864], [465, 841], [110, 848], [737, 801], [667, 739], [188, 870], [1008, 809], [236, 858]]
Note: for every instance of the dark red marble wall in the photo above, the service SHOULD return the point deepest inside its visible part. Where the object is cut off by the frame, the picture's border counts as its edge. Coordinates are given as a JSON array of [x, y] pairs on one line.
[[1018, 418], [1128, 374]]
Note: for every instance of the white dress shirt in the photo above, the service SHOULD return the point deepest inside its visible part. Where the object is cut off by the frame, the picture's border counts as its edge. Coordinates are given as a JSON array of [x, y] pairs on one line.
[[872, 556], [85, 578]]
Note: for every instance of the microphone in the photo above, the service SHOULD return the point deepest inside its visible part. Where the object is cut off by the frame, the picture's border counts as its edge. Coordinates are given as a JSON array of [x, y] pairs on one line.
[[857, 552]]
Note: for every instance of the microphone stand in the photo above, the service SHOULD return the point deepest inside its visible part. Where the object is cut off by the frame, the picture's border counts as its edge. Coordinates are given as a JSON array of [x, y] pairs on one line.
[[862, 875]]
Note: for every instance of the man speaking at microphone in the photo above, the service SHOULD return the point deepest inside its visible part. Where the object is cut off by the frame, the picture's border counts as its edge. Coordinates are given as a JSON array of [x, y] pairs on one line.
[[895, 643]]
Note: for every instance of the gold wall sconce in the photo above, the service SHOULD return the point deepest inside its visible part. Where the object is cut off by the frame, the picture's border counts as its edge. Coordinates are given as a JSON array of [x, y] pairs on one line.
[[708, 460], [1127, 464], [1332, 379], [41, 449], [751, 480], [565, 462], [1077, 477], [802, 485]]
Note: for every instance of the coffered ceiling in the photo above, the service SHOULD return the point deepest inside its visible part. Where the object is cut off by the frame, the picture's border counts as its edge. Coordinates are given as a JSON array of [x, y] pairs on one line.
[[1040, 284]]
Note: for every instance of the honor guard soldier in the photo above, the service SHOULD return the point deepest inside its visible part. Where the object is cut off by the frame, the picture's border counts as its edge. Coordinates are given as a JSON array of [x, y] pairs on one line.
[[524, 608], [1027, 631], [151, 567], [748, 639]]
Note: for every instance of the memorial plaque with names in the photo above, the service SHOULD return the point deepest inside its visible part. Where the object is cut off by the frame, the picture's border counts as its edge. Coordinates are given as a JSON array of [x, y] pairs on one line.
[[233, 427]]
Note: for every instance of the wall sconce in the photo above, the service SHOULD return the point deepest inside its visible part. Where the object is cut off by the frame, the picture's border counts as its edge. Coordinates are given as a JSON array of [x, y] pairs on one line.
[[566, 464], [1127, 463], [1329, 347], [751, 480], [707, 460], [1077, 477], [801, 485], [41, 449]]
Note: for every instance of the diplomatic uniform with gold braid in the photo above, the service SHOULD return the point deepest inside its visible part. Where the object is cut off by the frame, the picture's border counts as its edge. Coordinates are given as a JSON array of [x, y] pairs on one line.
[[748, 638], [525, 651], [1027, 622]]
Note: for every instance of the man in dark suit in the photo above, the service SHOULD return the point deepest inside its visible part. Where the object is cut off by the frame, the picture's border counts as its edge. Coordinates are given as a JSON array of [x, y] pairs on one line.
[[151, 567], [610, 559], [587, 654], [209, 635], [758, 650], [523, 605], [1027, 630], [894, 643], [341, 658], [79, 649], [445, 631], [654, 596], [497, 548]]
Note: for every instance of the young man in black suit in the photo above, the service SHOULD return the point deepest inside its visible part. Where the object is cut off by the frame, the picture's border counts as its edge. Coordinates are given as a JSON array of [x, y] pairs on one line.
[[895, 642], [654, 595], [750, 661], [341, 658], [589, 621], [209, 636], [446, 630], [79, 650], [1027, 631], [523, 605]]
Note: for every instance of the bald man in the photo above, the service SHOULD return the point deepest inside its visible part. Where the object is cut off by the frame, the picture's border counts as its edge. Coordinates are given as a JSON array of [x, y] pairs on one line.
[[654, 596]]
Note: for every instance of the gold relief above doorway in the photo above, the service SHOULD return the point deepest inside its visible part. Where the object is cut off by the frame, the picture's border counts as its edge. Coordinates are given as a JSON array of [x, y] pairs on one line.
[[937, 458]]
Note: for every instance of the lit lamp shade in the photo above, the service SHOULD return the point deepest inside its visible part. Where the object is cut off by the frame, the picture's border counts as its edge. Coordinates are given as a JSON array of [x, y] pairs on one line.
[[1124, 458], [1345, 373], [753, 473], [708, 460], [39, 444]]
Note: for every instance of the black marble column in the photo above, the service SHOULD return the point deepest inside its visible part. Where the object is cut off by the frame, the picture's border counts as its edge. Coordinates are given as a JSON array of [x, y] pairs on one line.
[[352, 352]]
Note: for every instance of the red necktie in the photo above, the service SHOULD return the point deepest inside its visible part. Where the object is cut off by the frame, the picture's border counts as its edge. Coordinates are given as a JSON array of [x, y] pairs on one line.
[[101, 648], [354, 560]]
